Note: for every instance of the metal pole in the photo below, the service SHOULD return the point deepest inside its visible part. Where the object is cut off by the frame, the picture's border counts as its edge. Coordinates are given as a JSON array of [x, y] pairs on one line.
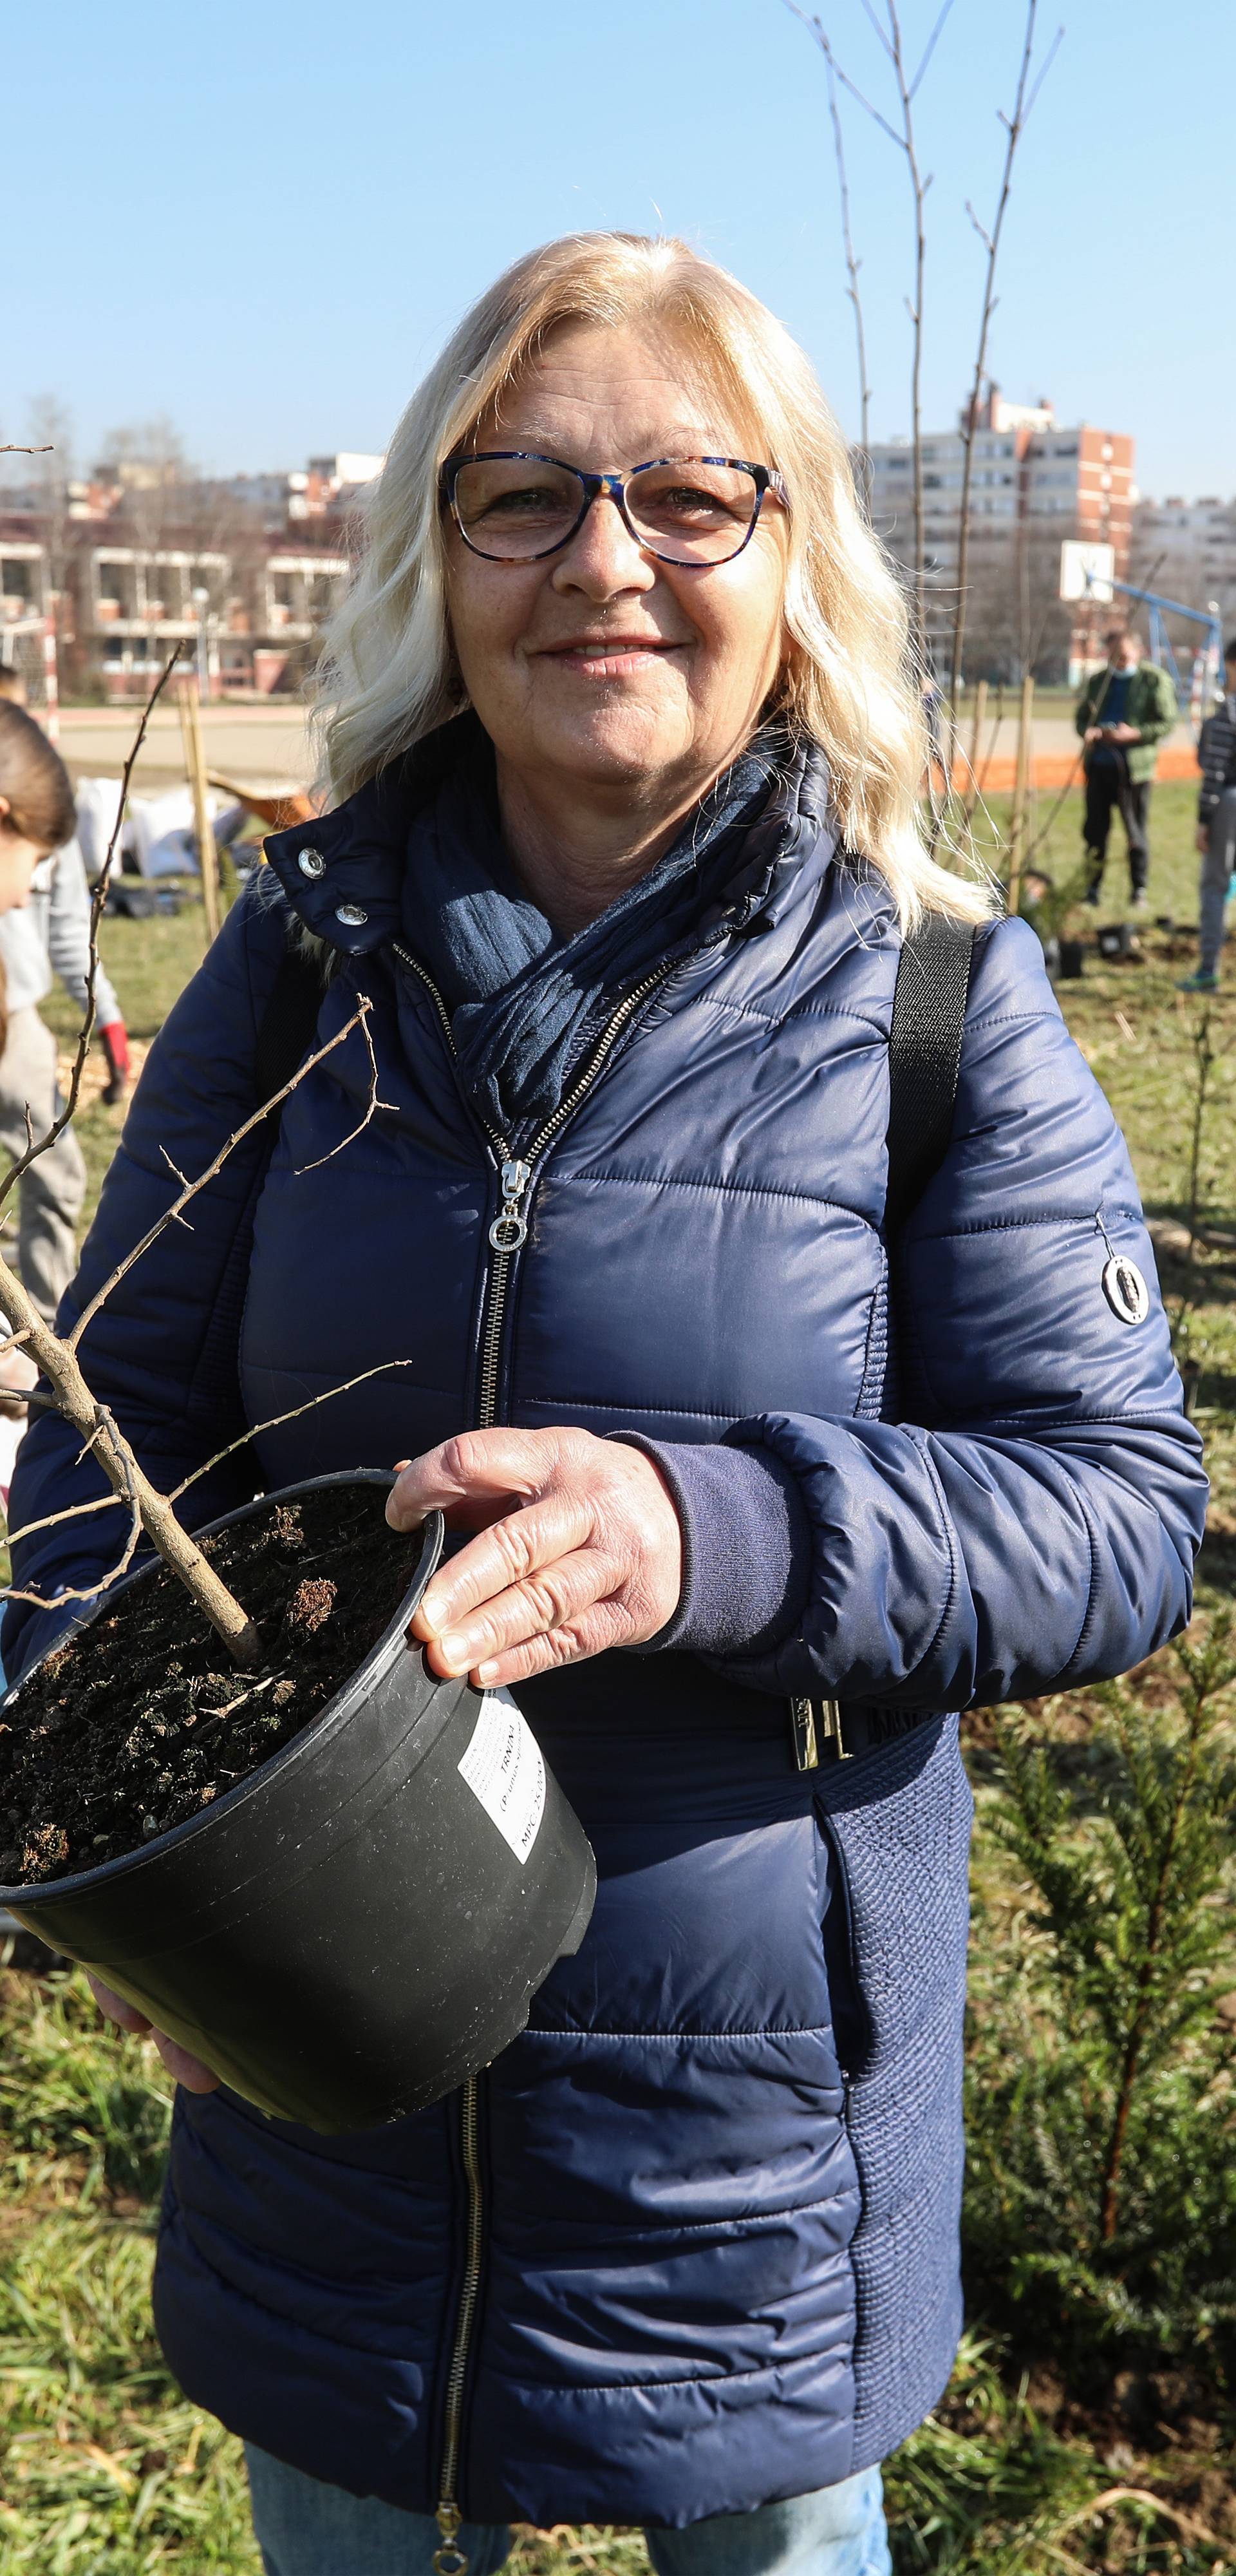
[[51, 680], [976, 737], [1017, 835], [195, 766]]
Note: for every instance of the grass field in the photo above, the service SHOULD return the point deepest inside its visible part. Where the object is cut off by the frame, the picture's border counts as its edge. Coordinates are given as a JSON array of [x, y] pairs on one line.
[[105, 2470]]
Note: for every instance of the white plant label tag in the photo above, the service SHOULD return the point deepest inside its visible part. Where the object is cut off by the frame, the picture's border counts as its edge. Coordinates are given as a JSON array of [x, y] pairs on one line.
[[504, 1769]]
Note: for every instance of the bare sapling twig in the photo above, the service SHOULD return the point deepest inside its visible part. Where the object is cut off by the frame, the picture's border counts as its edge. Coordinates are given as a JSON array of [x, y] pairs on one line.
[[9, 449], [78, 1406], [174, 1214], [57, 1359], [1014, 128], [150, 1512], [906, 90], [1205, 1053], [904, 136], [107, 1502], [852, 262]]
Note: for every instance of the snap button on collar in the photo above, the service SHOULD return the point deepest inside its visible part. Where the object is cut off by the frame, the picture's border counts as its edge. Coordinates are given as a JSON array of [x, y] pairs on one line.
[[311, 863], [352, 915]]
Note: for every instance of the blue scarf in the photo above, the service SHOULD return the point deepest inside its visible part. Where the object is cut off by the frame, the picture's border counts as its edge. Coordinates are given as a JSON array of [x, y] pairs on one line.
[[525, 1003]]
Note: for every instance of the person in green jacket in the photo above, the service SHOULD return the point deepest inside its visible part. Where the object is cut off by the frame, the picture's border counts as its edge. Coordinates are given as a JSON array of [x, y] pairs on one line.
[[1122, 715]]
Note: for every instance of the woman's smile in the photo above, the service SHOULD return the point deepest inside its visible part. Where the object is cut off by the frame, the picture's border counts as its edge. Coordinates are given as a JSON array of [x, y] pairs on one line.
[[608, 657]]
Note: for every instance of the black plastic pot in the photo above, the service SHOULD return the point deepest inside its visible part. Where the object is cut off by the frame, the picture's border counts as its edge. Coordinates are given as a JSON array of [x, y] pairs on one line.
[[350, 1932], [1071, 960]]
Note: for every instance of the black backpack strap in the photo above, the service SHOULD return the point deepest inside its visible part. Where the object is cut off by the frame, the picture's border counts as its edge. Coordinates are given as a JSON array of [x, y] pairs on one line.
[[924, 1058], [924, 1061]]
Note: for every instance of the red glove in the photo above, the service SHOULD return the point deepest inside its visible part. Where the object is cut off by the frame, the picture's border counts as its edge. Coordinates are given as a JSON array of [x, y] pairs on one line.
[[115, 1038]]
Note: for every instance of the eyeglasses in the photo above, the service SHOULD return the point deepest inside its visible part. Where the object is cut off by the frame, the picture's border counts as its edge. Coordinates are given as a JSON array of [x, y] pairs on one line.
[[513, 507]]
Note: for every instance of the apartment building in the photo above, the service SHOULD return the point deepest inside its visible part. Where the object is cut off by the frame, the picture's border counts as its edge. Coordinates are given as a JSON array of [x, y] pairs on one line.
[[253, 618], [1034, 481], [1187, 550]]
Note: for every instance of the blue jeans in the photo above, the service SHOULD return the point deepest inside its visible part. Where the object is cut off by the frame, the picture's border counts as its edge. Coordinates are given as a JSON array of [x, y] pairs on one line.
[[307, 2529]]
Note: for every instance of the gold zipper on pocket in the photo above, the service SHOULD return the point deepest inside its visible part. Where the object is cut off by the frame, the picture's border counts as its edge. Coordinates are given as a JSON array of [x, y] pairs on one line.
[[814, 1722]]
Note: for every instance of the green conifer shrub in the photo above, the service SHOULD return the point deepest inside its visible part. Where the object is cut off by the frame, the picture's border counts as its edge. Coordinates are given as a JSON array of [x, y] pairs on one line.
[[1101, 2198]]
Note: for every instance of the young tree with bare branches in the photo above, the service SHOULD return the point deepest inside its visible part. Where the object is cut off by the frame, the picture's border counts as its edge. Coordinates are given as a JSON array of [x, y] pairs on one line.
[[904, 136], [152, 1514]]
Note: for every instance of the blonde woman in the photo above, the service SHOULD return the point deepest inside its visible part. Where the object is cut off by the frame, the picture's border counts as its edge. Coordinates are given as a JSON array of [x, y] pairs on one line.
[[624, 757]]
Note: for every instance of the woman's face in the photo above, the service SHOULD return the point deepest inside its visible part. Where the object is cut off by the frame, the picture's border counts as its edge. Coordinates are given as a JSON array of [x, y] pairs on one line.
[[18, 860], [601, 667]]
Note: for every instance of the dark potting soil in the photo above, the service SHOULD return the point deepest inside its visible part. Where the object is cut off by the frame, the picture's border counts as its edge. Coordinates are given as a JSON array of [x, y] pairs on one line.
[[144, 1720]]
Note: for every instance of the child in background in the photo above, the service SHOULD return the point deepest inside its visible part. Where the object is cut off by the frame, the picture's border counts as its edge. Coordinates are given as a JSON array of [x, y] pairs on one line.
[[41, 924], [17, 1369], [59, 916]]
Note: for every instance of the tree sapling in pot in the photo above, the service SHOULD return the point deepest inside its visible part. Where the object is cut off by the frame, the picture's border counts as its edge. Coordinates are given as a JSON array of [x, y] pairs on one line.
[[254, 1811]]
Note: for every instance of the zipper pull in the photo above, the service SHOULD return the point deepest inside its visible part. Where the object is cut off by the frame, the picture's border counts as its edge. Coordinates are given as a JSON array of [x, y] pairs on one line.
[[810, 1722], [830, 1711], [803, 1736], [450, 2559], [509, 1228]]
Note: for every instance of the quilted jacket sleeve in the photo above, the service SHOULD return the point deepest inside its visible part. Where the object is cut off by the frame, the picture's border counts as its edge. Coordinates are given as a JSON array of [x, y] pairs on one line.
[[1030, 1519], [162, 1351]]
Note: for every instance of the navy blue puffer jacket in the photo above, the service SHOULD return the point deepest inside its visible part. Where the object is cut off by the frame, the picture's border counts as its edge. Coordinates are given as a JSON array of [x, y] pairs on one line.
[[718, 2178]]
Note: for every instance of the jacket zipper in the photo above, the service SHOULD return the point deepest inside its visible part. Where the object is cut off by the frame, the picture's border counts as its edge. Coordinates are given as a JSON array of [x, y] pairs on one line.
[[507, 1235], [509, 1231]]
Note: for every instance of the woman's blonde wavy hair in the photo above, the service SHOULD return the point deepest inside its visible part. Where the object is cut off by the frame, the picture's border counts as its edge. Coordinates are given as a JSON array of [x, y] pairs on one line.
[[388, 674]]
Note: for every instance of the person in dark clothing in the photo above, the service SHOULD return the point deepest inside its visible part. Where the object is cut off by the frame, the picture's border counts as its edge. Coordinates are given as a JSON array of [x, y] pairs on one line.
[[623, 844], [1122, 715], [1216, 829]]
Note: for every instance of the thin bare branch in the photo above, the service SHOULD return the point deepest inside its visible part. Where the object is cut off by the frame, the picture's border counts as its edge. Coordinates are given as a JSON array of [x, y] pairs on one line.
[[932, 42], [872, 20], [277, 1421], [80, 1592], [130, 1496], [1014, 126], [112, 1502], [816, 32], [918, 189], [852, 268], [873, 112], [126, 1475], [892, 45], [71, 1512], [190, 1189], [1052, 51], [9, 450], [98, 899], [371, 1111]]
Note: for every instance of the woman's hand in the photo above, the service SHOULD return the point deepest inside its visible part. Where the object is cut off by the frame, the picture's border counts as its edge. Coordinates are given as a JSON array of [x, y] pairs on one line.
[[186, 2069], [581, 1548]]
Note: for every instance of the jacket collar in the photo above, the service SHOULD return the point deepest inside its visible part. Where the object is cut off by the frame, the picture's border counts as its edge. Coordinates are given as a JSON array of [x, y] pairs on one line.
[[344, 874]]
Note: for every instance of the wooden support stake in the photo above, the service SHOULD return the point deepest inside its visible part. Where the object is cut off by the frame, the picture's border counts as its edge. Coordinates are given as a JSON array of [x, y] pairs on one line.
[[1017, 836], [195, 767], [976, 739]]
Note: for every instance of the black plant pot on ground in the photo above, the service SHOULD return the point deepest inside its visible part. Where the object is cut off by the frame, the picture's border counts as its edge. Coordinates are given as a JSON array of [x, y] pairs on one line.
[[360, 1923]]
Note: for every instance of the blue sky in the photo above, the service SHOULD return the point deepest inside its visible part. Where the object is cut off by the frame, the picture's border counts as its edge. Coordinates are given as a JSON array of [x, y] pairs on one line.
[[261, 219]]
